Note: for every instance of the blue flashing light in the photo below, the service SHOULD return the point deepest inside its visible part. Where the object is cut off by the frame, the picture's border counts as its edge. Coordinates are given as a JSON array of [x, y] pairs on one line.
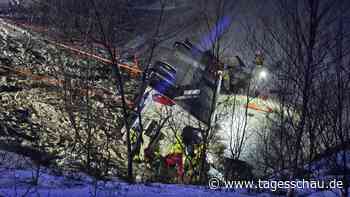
[[208, 41]]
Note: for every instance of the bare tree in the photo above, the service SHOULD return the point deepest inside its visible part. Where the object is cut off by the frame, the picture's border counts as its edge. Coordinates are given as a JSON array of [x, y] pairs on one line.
[[299, 40], [214, 22], [108, 25]]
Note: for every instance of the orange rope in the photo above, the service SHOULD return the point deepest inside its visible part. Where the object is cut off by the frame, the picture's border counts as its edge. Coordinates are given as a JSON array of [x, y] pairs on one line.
[[135, 71], [93, 91], [254, 106], [104, 60]]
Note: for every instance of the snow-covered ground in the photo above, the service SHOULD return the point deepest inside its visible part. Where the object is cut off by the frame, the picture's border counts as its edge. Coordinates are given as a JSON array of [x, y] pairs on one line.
[[17, 173], [14, 183]]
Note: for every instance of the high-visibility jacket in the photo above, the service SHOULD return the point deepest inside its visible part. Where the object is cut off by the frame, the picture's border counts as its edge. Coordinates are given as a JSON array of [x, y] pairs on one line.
[[176, 148]]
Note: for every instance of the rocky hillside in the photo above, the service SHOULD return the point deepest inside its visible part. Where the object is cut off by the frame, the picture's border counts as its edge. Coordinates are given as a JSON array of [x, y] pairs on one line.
[[57, 108]]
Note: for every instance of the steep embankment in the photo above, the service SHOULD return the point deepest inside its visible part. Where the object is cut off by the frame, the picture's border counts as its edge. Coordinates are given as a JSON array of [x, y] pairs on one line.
[[57, 108]]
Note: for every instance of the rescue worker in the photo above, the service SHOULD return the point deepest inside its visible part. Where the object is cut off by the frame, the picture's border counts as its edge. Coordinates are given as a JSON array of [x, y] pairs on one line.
[[136, 145], [175, 158]]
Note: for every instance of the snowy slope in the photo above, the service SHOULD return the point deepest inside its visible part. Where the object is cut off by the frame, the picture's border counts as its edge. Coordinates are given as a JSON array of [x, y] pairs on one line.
[[17, 172], [58, 186]]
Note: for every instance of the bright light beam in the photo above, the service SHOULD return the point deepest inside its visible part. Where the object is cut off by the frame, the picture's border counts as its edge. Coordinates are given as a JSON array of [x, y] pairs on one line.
[[208, 41]]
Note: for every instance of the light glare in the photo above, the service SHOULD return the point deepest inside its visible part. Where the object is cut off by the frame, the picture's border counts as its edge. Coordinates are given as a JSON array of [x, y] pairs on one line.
[[263, 74]]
